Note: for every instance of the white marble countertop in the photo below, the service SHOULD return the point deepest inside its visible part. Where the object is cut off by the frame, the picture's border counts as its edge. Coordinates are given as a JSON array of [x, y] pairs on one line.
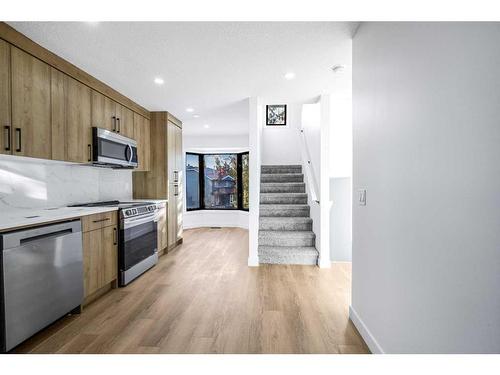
[[24, 217]]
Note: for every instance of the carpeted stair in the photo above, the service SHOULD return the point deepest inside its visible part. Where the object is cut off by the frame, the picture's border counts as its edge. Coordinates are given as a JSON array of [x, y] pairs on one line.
[[285, 228]]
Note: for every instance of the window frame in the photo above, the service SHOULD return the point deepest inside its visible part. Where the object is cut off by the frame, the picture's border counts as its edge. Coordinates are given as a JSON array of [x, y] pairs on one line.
[[201, 181]]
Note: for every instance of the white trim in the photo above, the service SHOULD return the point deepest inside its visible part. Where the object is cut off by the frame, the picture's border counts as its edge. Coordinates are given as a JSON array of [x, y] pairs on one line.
[[365, 333]]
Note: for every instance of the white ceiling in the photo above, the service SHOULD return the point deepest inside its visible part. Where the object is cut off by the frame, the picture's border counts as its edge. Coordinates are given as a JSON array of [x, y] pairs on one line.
[[209, 66]]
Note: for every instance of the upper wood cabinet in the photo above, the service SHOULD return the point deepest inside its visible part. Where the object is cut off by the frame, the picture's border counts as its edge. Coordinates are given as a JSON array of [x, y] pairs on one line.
[[142, 136], [71, 119], [5, 118], [103, 112], [125, 121], [31, 108], [110, 115]]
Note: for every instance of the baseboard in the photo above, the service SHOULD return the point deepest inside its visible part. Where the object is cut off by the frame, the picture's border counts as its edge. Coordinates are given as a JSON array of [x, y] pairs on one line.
[[365, 333], [253, 262], [223, 225]]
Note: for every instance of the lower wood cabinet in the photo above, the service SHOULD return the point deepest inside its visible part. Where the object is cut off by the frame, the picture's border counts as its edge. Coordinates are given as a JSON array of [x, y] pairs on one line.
[[100, 254], [162, 229]]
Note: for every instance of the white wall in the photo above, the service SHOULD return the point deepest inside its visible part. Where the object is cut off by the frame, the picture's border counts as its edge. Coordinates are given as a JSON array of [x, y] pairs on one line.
[[426, 247], [280, 143], [340, 175], [341, 219], [255, 139], [36, 183], [208, 144]]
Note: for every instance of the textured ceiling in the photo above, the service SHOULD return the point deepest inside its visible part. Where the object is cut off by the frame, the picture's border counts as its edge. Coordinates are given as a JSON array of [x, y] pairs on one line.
[[209, 66]]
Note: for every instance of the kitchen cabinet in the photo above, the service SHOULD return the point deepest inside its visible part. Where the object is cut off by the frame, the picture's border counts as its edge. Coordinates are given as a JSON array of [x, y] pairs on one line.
[[71, 119], [125, 121], [100, 252], [142, 136], [164, 180], [162, 228], [31, 109], [103, 112], [110, 115], [175, 178], [5, 117]]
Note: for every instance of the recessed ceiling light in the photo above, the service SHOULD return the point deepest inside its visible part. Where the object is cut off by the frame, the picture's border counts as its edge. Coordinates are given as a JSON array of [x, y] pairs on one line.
[[206, 126], [159, 81], [289, 76], [196, 116], [189, 109]]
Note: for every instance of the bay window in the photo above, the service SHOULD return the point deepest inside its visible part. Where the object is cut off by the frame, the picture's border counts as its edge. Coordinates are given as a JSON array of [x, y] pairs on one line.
[[217, 181]]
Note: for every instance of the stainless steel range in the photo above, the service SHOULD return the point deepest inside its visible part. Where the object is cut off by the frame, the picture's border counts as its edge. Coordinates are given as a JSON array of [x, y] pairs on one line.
[[138, 239]]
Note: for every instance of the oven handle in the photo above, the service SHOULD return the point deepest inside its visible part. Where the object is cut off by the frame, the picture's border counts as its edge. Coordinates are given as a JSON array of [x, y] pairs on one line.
[[133, 222]]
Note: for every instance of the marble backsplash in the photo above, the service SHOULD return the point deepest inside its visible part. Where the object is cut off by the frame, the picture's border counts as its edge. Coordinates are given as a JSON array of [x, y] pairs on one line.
[[35, 183]]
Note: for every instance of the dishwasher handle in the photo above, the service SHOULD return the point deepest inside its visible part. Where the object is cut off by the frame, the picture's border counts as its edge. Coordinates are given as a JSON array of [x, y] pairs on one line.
[[23, 236], [47, 235]]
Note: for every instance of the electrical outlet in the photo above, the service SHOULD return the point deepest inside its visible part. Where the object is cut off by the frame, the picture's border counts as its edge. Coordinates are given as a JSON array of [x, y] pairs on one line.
[[362, 197]]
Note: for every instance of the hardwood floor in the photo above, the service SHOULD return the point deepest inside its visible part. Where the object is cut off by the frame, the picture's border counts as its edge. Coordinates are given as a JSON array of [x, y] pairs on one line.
[[203, 298]]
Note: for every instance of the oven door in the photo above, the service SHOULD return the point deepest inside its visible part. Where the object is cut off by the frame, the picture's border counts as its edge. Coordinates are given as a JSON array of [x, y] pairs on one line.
[[138, 240], [114, 149]]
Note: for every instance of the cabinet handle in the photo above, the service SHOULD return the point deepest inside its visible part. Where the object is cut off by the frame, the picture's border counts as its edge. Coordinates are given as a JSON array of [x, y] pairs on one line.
[[115, 240], [176, 176], [98, 221], [176, 190], [7, 147], [90, 152], [114, 123], [18, 138], [119, 125]]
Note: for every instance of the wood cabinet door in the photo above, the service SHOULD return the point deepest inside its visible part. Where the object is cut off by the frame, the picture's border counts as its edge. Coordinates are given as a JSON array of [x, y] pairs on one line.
[[78, 121], [180, 173], [171, 217], [58, 92], [171, 153], [5, 118], [162, 229], [142, 136], [31, 123], [71, 119], [109, 254], [92, 261], [103, 111], [125, 121]]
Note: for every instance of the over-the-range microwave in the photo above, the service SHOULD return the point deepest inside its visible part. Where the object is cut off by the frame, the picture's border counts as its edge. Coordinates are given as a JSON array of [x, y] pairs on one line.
[[113, 150]]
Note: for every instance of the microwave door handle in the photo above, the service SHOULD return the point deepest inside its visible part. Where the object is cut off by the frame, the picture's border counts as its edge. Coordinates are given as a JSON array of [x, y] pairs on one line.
[[131, 153]]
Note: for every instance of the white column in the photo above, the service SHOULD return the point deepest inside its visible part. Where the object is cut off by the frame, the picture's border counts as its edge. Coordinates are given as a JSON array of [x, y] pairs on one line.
[[324, 182], [255, 134]]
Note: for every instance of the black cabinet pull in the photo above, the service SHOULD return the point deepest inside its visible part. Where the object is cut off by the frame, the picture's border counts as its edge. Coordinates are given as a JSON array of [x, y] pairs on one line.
[[18, 134], [7, 147], [98, 221], [115, 237], [119, 125], [114, 123], [90, 152]]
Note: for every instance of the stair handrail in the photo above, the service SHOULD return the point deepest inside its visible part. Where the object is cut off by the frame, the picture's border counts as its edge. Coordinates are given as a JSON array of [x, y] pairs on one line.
[[308, 172]]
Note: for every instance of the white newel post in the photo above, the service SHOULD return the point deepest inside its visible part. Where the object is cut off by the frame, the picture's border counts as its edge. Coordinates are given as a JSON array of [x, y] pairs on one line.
[[254, 134]]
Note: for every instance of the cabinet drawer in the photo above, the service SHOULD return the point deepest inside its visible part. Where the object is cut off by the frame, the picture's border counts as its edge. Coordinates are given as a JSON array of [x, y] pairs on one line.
[[98, 221]]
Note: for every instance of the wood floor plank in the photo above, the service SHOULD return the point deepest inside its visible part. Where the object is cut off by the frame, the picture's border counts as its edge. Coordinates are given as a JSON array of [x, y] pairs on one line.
[[203, 298]]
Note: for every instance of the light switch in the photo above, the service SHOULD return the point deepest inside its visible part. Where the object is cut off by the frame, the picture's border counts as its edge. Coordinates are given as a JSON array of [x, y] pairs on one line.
[[362, 197]]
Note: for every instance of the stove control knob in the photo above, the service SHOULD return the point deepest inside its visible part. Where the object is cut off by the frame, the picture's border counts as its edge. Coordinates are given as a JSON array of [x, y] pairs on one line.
[[135, 211], [128, 212]]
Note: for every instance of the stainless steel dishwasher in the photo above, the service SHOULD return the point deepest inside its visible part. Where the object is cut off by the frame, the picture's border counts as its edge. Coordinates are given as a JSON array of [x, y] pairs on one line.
[[41, 279]]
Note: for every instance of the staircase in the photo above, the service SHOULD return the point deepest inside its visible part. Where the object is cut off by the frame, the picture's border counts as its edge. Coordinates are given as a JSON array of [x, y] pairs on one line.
[[285, 228]]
